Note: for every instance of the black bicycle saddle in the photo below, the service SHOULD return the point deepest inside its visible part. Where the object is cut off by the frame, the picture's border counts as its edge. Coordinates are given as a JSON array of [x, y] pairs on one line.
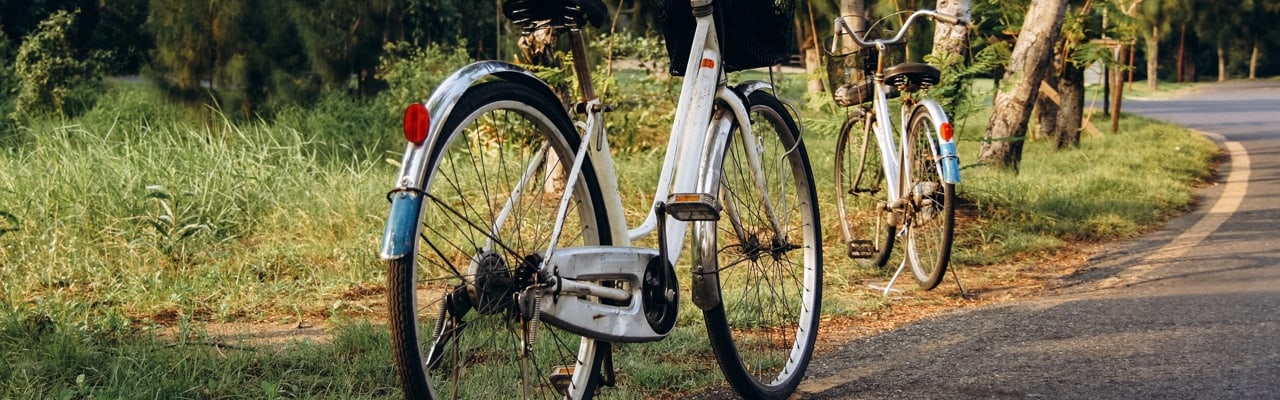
[[912, 75], [529, 13]]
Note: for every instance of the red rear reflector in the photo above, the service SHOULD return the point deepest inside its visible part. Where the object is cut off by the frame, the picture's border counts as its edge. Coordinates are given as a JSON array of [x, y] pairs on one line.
[[708, 63], [946, 132], [416, 123]]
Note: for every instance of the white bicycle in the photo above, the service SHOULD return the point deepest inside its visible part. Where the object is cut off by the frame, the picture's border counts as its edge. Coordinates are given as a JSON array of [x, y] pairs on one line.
[[512, 269], [888, 189]]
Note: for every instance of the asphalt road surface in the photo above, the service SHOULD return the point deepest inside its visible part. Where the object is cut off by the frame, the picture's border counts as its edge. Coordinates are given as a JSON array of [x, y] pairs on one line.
[[1190, 312]]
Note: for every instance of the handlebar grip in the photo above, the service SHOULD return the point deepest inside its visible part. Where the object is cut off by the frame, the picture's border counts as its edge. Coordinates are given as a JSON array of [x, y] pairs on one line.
[[950, 19]]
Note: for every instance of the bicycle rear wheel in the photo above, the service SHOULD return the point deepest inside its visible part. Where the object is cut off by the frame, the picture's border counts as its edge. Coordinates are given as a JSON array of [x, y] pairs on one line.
[[931, 213], [769, 250], [861, 193], [488, 214]]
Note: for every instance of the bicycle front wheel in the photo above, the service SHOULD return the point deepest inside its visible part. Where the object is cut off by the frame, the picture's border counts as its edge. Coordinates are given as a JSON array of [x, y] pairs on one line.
[[489, 210], [861, 193], [931, 214], [769, 253]]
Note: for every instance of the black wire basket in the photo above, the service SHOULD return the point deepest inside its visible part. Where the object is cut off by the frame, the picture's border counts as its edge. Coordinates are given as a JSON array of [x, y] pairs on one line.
[[752, 33], [849, 70]]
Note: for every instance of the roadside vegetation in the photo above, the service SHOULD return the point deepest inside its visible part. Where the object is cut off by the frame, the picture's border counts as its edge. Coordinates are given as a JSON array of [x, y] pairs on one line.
[[213, 233], [128, 230]]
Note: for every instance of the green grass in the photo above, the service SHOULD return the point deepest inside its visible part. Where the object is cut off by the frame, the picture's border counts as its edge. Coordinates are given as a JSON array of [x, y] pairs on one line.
[[1164, 90], [44, 359], [1113, 186], [216, 222], [142, 217]]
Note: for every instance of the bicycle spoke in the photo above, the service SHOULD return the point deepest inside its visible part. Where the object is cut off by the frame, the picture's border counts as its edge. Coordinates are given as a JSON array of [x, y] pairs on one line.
[[768, 260], [485, 221]]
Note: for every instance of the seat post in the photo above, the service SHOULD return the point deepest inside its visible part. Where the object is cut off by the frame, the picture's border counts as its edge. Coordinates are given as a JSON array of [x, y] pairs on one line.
[[581, 67]]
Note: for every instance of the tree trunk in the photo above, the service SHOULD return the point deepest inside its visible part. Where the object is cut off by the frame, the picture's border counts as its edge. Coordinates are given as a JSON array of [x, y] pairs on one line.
[[857, 9], [950, 51], [812, 59], [1117, 89], [1030, 59], [1253, 60], [1129, 62], [1222, 64], [948, 38], [1047, 107], [1153, 59], [1182, 51], [1047, 114], [1071, 105], [1193, 75], [1106, 90], [637, 24]]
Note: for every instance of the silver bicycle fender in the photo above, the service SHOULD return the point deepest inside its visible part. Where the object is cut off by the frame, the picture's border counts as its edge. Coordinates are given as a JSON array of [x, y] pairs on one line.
[[705, 286], [747, 87], [407, 197], [950, 162]]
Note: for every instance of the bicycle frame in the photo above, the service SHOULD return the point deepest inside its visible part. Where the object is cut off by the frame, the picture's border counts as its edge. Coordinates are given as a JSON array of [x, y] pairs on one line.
[[700, 132], [942, 148]]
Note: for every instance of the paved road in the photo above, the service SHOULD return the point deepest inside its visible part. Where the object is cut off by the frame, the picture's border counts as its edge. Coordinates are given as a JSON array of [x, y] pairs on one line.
[[1190, 312]]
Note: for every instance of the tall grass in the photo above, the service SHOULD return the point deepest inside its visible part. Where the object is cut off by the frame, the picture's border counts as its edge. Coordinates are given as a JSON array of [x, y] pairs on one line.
[[158, 215], [1113, 186]]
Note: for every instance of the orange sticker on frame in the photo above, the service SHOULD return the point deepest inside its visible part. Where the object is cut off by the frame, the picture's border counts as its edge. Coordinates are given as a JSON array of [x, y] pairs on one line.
[[708, 63]]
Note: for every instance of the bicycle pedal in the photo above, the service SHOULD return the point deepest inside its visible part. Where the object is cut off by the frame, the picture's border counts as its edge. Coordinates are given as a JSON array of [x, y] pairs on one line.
[[861, 249], [862, 190], [693, 207], [560, 378]]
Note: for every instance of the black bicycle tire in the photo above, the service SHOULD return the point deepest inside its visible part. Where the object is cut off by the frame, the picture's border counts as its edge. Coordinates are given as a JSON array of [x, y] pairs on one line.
[[930, 279], [408, 356], [720, 330], [889, 233]]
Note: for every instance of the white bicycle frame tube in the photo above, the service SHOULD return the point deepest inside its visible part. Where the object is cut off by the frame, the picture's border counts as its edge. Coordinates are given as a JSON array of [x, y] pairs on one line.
[[889, 154], [697, 140], [689, 132], [695, 136]]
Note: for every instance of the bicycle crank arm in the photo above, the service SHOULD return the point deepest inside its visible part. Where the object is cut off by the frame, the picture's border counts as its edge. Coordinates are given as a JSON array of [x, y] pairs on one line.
[[578, 301]]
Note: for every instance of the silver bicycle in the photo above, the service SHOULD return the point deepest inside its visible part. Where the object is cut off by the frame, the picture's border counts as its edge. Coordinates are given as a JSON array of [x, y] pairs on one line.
[[889, 189], [512, 269]]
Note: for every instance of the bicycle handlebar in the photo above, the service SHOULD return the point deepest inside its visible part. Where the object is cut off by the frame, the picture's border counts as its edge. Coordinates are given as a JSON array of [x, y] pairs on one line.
[[947, 18], [902, 33]]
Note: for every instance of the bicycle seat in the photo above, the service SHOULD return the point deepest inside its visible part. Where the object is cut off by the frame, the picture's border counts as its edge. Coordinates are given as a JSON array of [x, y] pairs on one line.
[[912, 76], [532, 13]]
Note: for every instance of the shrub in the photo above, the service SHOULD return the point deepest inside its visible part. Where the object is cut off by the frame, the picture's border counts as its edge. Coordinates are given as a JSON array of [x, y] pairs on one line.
[[52, 79], [8, 87], [340, 128], [412, 72]]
